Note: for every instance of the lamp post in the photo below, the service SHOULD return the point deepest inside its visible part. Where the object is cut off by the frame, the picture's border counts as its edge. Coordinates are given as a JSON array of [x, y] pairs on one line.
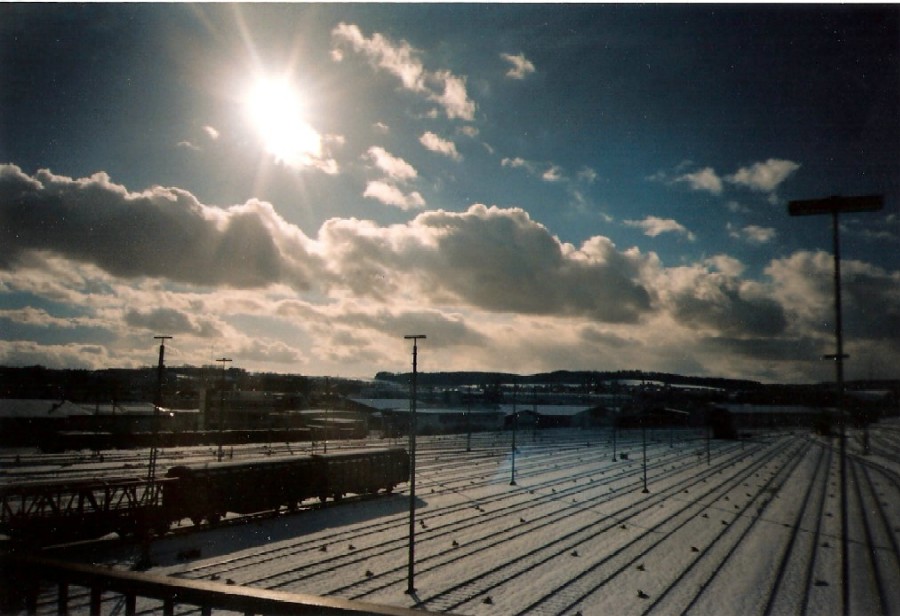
[[834, 206], [515, 422], [644, 445], [157, 402], [220, 453], [150, 493], [410, 577]]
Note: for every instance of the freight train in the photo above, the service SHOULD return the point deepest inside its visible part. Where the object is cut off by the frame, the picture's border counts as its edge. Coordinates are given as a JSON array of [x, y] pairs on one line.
[[49, 512]]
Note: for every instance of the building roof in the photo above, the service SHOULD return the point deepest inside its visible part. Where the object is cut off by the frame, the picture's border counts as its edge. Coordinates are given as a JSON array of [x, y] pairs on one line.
[[771, 409], [13, 408]]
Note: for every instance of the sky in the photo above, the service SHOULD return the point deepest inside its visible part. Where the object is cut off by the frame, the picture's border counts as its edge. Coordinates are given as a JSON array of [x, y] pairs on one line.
[[533, 187]]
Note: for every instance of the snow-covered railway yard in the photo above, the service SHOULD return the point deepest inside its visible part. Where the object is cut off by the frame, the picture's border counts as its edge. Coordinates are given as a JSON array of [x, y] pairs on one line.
[[755, 528]]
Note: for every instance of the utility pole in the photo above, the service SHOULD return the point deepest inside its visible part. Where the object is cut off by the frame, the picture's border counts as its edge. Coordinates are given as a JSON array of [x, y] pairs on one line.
[[515, 422], [150, 496], [411, 573], [644, 441], [157, 403], [220, 453], [834, 206]]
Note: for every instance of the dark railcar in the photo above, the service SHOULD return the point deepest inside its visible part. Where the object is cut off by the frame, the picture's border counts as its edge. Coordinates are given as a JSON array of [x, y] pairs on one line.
[[210, 491]]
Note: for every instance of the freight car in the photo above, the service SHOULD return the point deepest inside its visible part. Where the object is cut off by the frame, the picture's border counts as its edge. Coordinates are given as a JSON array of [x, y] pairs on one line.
[[210, 491], [53, 511]]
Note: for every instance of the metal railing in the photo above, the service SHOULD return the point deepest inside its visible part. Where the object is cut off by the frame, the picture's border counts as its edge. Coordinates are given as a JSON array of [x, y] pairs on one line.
[[22, 577]]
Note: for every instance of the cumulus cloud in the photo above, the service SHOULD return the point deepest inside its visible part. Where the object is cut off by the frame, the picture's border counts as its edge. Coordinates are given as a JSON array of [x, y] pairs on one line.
[[402, 61], [394, 167], [441, 146], [553, 174], [765, 176], [516, 163], [488, 283], [704, 179], [753, 234], [521, 66], [391, 195], [162, 232], [718, 302], [654, 226]]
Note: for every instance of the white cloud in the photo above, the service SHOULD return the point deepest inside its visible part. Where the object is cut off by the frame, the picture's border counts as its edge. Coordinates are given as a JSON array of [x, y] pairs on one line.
[[586, 174], [453, 97], [381, 128], [391, 195], [211, 132], [402, 61], [654, 226], [521, 66], [516, 163], [705, 179], [553, 174], [753, 234], [764, 177], [247, 245], [486, 284], [442, 146], [395, 168]]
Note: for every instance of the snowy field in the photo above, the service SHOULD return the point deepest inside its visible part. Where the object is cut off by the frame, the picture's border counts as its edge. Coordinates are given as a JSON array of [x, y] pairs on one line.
[[751, 527]]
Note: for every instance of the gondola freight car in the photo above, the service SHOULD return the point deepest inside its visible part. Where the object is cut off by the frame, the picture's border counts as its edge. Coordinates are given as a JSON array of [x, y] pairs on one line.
[[210, 491], [52, 511]]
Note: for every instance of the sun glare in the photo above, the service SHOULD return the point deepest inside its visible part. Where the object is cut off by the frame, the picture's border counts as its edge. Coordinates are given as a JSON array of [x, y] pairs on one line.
[[276, 110]]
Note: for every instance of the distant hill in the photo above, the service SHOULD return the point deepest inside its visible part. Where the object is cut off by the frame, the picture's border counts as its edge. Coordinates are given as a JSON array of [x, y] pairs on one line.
[[588, 379]]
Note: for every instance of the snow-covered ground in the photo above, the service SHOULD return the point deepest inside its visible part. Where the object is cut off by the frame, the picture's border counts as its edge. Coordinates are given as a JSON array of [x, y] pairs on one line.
[[753, 527]]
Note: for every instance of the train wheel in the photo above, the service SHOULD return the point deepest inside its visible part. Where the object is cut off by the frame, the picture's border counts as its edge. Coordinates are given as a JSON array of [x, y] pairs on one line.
[[196, 520], [214, 518]]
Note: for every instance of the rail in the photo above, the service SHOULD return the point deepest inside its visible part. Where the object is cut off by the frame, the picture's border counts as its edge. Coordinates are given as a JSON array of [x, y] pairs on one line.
[[22, 576]]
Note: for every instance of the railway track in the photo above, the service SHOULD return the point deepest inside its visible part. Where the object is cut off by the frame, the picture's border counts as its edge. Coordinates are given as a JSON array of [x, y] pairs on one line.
[[772, 500]]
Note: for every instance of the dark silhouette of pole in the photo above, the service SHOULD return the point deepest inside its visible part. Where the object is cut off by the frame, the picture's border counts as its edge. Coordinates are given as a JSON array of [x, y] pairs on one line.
[[157, 403], [327, 406], [150, 492], [644, 440], [515, 423], [834, 206], [614, 437], [469, 420], [220, 453], [410, 577]]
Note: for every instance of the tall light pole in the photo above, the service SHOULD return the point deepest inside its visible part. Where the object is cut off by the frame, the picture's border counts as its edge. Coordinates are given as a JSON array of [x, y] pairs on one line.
[[834, 206], [150, 492], [157, 403], [327, 405], [644, 446], [224, 361], [515, 423], [410, 578]]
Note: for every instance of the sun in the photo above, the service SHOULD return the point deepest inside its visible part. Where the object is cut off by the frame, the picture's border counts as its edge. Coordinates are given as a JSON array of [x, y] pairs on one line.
[[275, 108]]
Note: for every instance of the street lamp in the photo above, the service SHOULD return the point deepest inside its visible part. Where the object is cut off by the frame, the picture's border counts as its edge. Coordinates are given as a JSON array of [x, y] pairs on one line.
[[512, 480], [224, 361], [410, 578], [834, 206], [157, 402], [644, 441]]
